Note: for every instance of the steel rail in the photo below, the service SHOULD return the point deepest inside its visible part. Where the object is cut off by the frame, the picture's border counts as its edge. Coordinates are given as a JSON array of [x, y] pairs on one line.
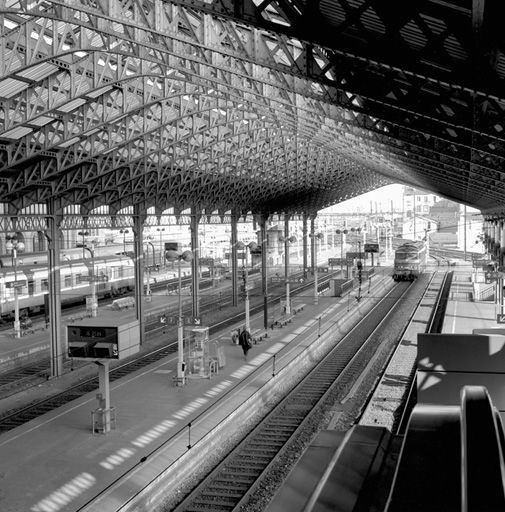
[[236, 477]]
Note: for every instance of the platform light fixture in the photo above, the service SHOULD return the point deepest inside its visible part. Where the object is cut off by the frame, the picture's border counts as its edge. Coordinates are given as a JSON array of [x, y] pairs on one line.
[[160, 231], [187, 256], [287, 241], [315, 237], [92, 283], [251, 246], [124, 232], [14, 246]]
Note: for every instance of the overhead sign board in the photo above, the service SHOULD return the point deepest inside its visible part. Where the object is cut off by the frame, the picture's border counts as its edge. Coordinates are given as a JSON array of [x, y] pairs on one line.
[[500, 318], [89, 279], [371, 247], [353, 255], [322, 270], [15, 284], [336, 261]]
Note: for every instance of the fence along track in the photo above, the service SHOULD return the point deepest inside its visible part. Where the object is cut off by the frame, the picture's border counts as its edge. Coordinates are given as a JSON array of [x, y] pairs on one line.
[[22, 415], [230, 483]]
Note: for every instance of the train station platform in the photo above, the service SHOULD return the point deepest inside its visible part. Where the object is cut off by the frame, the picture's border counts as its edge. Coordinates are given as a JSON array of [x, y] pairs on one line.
[[57, 463]]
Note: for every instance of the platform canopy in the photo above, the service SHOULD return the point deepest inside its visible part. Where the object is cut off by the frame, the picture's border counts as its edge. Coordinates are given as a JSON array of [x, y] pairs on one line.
[[249, 105]]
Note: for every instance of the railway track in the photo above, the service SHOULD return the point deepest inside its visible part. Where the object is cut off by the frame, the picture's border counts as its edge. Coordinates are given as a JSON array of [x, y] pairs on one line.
[[11, 381], [435, 325], [230, 485]]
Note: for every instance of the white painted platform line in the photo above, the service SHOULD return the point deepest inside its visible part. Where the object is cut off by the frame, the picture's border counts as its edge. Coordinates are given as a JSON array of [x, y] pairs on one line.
[[219, 388], [275, 348], [243, 371], [260, 359], [163, 371], [191, 407], [300, 330], [310, 323], [65, 494], [153, 433], [288, 338], [117, 458]]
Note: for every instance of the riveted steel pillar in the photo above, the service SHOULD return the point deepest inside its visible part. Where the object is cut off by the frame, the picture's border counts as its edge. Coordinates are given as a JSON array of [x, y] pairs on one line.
[[286, 262], [234, 291], [138, 267], [501, 258], [57, 348], [305, 245], [195, 265], [497, 238], [264, 268]]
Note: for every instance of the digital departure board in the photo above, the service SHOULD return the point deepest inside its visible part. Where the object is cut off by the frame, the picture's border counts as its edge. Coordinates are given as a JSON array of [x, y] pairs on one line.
[[93, 342]]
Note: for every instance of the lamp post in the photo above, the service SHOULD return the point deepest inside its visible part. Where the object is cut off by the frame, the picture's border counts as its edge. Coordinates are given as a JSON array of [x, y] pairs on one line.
[[342, 232], [160, 231], [316, 237], [287, 241], [92, 283], [83, 234], [187, 256], [250, 246], [124, 233], [148, 287], [14, 246]]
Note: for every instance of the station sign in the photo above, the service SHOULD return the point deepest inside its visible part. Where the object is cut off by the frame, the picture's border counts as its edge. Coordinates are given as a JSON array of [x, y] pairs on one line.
[[322, 270], [89, 279], [290, 280], [336, 261], [491, 277], [371, 247], [500, 318], [174, 320], [16, 284], [353, 255], [208, 262]]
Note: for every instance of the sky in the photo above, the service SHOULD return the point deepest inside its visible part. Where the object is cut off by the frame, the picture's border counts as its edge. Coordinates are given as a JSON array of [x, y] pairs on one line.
[[380, 199]]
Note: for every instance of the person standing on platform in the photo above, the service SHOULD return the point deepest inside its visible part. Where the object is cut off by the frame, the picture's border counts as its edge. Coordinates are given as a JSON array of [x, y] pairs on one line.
[[244, 339]]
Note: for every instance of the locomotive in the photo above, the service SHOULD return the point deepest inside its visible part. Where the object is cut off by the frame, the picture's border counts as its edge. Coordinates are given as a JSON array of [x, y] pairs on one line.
[[410, 261]]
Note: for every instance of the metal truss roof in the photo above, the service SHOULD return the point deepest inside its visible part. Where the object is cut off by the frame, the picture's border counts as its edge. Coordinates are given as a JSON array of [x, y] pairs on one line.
[[249, 106]]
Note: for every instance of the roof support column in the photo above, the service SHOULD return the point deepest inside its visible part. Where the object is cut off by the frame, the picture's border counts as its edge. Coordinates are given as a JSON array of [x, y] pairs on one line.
[[138, 267], [195, 247], [54, 293], [234, 292], [286, 262], [264, 270], [497, 238], [313, 249], [305, 248], [501, 257]]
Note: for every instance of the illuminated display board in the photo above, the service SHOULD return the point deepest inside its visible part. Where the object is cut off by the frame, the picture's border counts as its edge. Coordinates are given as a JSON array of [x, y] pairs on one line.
[[93, 342]]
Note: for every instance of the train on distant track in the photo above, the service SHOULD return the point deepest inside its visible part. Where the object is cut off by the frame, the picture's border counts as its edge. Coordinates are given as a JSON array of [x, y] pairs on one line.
[[113, 274], [410, 261]]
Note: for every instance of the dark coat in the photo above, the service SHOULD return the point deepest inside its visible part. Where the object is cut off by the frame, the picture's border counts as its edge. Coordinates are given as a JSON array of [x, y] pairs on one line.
[[244, 340]]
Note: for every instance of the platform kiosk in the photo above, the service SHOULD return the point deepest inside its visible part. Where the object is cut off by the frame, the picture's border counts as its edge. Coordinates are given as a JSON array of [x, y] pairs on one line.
[[197, 341], [103, 340]]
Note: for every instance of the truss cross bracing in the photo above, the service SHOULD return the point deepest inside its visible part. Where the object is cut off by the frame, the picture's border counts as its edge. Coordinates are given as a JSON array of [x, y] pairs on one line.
[[244, 106]]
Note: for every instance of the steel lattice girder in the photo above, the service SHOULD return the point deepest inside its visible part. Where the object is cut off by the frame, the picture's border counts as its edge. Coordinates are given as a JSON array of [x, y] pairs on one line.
[[171, 106]]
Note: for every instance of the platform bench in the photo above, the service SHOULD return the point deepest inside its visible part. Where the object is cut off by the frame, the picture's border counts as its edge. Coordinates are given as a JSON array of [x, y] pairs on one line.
[[258, 335], [78, 316], [123, 303], [296, 309], [281, 322]]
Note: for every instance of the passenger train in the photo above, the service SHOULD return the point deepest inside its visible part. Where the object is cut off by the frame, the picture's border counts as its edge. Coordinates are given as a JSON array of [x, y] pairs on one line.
[[410, 261], [114, 272]]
